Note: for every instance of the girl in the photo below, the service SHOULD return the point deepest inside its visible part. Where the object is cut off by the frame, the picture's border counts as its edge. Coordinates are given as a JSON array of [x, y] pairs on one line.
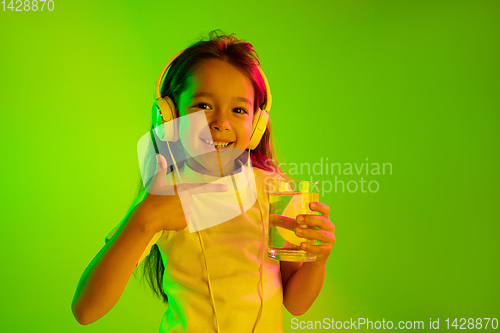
[[214, 275]]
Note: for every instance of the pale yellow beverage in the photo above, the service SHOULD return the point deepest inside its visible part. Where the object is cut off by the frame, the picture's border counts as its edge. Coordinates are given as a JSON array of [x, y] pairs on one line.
[[289, 199]]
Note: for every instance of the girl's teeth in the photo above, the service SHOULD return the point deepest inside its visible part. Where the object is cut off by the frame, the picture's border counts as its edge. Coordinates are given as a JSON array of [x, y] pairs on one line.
[[221, 145], [217, 144]]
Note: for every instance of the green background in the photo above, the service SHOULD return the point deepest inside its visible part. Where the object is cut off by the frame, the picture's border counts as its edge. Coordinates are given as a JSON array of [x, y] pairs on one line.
[[411, 83]]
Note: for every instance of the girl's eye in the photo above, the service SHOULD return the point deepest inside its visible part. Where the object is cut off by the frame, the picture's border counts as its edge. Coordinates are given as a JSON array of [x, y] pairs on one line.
[[202, 105], [242, 111]]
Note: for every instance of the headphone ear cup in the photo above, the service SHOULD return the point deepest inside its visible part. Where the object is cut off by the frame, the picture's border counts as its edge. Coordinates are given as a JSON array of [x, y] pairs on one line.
[[164, 122], [157, 121], [259, 127]]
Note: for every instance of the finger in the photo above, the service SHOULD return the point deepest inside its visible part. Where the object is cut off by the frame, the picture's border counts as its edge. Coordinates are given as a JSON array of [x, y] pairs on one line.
[[282, 221], [197, 188], [316, 249], [318, 234], [159, 178], [317, 221], [320, 207]]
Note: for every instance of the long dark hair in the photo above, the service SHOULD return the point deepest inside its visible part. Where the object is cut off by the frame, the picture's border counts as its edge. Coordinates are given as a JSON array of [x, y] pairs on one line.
[[240, 54]]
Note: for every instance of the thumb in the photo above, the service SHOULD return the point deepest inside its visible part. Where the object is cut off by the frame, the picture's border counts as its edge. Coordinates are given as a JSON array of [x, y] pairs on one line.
[[282, 221], [160, 173]]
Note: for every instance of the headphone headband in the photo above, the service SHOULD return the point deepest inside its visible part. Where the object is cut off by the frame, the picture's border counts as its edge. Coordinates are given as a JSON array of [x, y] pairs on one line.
[[159, 82], [162, 73]]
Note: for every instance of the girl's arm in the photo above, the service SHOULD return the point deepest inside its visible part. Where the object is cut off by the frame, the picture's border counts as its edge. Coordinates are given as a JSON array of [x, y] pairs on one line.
[[302, 282], [104, 280]]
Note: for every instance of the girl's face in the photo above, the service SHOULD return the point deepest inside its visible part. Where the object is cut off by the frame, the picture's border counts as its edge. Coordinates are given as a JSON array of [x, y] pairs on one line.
[[226, 96]]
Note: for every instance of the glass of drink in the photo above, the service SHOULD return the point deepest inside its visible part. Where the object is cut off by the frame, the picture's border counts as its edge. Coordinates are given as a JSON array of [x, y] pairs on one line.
[[288, 199]]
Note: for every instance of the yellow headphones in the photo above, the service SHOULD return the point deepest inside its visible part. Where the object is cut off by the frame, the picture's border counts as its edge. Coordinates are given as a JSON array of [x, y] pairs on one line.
[[163, 112]]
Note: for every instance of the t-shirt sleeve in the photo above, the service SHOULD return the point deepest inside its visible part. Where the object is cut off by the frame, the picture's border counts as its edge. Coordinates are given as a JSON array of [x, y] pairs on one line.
[[153, 241]]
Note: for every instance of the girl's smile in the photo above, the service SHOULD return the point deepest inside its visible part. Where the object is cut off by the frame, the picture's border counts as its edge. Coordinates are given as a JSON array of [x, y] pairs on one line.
[[219, 144]]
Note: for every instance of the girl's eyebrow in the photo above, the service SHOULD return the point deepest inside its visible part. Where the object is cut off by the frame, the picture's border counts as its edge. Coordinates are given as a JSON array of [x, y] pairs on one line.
[[212, 95]]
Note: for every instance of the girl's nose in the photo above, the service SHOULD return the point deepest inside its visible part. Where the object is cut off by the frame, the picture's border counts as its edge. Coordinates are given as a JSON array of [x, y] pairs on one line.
[[220, 123]]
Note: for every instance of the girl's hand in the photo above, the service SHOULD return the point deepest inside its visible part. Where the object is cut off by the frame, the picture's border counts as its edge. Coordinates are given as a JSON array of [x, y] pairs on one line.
[[325, 234], [162, 207]]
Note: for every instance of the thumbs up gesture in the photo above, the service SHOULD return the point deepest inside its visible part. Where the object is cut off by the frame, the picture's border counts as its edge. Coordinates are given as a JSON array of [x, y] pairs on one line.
[[162, 209]]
